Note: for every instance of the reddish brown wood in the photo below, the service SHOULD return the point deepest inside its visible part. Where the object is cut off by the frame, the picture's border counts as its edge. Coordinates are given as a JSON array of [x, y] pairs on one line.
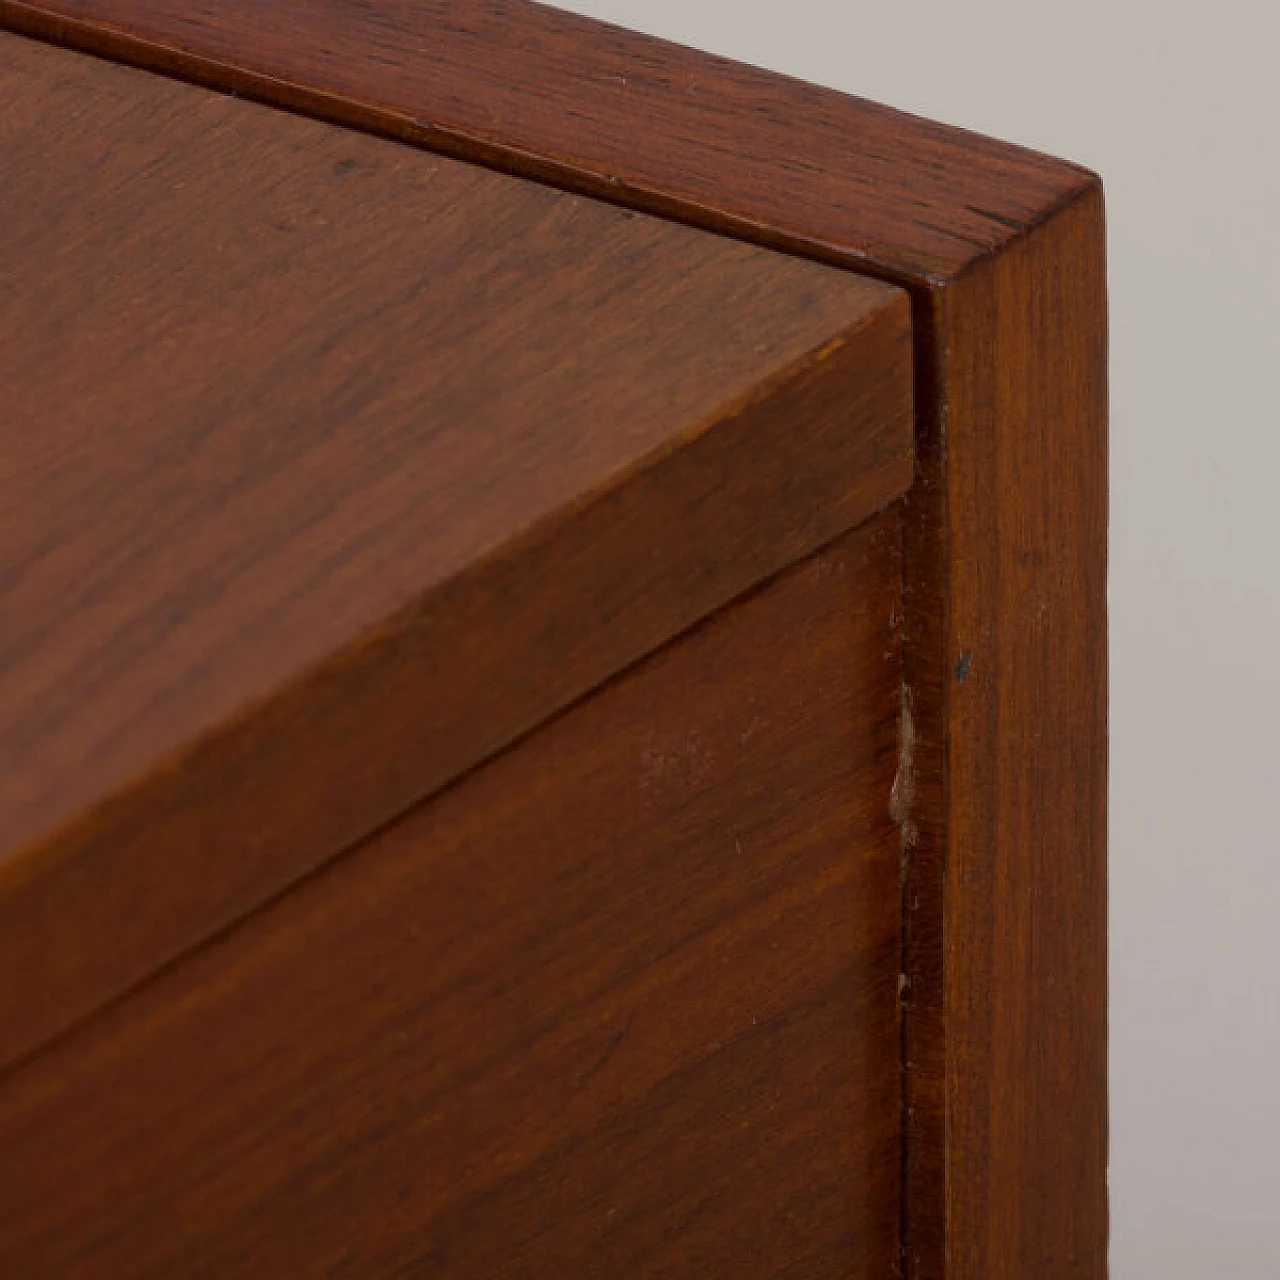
[[558, 96], [307, 433], [623, 1002], [1003, 806], [1006, 668]]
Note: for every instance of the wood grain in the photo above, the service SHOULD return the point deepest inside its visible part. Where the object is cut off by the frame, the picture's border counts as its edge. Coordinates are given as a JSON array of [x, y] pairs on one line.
[[1023, 884], [554, 95], [1005, 897], [329, 467], [1003, 252], [622, 1002]]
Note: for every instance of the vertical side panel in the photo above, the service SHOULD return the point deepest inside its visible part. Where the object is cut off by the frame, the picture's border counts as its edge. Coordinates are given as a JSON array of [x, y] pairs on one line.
[[1006, 893]]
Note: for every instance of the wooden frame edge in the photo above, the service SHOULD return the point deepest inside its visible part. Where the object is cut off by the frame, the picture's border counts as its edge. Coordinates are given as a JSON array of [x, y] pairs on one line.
[[1005, 847]]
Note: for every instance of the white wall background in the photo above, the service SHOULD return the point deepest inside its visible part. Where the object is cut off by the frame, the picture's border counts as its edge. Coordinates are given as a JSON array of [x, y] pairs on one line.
[[1178, 106]]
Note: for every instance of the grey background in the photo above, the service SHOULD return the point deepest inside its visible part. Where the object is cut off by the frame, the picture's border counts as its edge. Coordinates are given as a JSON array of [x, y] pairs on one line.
[[1178, 107]]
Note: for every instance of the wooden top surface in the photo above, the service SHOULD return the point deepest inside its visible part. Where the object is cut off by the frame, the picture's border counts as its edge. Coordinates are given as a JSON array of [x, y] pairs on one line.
[[279, 397], [597, 108]]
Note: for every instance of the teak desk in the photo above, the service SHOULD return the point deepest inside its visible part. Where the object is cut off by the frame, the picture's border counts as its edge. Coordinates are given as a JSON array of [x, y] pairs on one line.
[[552, 661]]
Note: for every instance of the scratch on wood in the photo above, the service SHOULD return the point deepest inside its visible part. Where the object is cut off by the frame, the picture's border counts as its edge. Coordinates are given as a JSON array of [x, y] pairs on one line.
[[903, 795]]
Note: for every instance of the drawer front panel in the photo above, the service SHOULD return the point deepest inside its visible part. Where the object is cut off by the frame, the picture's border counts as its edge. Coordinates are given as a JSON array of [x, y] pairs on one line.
[[622, 1002]]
